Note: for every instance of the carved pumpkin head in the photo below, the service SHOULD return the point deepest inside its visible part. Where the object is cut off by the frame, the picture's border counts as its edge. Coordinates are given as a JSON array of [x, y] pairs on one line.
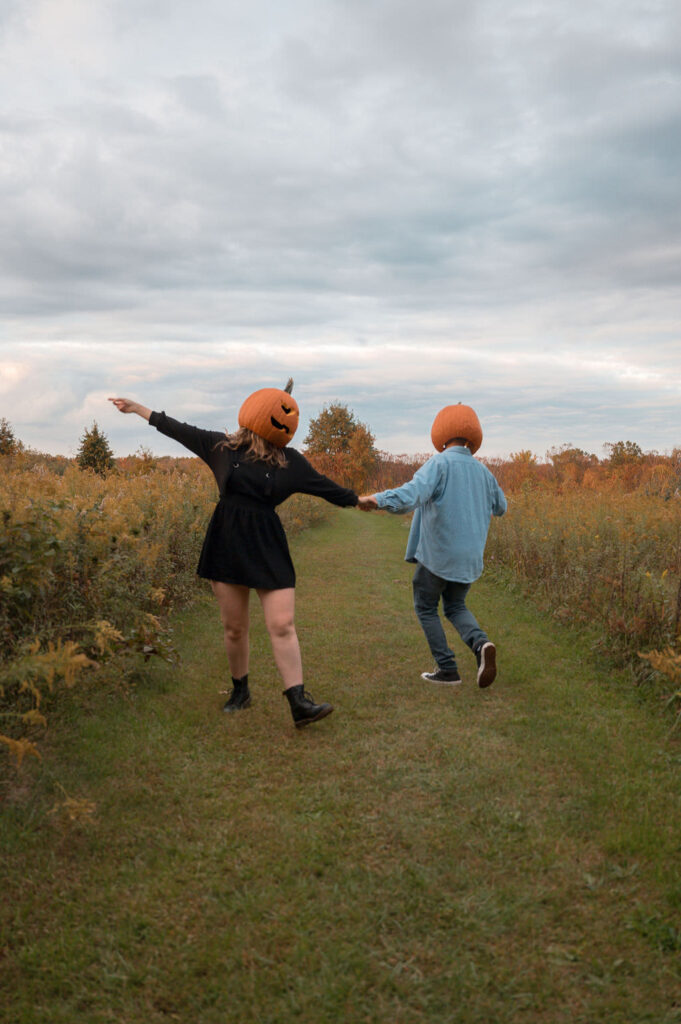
[[271, 414], [456, 421]]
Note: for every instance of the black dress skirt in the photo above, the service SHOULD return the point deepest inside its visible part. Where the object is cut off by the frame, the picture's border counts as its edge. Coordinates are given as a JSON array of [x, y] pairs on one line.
[[245, 542]]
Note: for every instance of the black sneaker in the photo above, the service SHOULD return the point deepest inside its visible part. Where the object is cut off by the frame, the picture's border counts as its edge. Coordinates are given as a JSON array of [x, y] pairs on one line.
[[448, 677], [486, 657]]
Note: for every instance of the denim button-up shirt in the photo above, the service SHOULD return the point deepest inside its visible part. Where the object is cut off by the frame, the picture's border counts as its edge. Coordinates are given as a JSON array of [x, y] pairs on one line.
[[453, 496]]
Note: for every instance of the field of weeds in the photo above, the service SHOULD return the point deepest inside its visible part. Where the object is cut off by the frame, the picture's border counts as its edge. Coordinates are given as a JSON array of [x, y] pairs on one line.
[[608, 561], [90, 567], [598, 544]]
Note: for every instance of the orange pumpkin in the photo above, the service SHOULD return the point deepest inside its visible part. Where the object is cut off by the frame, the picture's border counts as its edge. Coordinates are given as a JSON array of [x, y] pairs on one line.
[[271, 414], [456, 421]]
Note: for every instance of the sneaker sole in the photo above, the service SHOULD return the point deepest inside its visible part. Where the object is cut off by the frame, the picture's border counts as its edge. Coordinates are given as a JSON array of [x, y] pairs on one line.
[[487, 672], [441, 682], [308, 721]]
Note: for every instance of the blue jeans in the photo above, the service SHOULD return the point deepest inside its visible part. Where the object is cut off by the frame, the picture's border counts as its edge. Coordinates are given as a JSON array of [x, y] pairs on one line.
[[428, 589]]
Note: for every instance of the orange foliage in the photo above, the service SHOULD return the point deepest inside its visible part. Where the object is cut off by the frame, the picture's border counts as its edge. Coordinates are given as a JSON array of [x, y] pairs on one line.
[[369, 474], [567, 468]]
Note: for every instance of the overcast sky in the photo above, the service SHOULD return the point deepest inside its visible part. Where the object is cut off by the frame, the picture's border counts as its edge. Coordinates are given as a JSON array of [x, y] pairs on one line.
[[401, 204]]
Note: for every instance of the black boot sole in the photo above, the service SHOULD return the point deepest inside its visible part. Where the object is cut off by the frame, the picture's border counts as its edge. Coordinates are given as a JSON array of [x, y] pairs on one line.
[[237, 707], [322, 713]]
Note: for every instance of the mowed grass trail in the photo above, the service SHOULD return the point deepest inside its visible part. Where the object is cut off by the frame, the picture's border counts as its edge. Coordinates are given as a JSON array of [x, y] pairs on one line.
[[425, 854]]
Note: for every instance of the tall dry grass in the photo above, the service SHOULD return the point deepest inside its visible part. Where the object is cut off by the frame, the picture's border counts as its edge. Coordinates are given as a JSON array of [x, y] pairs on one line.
[[598, 542], [90, 566], [609, 561]]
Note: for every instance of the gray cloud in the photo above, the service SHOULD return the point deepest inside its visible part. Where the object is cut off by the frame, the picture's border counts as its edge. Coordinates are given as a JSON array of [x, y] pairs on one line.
[[394, 196]]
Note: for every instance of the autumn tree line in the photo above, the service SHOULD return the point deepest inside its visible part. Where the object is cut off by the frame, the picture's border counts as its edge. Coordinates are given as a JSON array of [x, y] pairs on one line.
[[341, 446], [624, 468]]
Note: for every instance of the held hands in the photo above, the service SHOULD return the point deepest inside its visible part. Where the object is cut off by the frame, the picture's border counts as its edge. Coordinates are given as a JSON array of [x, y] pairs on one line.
[[127, 405], [367, 502]]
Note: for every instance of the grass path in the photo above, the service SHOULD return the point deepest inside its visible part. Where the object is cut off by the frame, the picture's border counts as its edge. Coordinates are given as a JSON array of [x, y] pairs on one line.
[[425, 854]]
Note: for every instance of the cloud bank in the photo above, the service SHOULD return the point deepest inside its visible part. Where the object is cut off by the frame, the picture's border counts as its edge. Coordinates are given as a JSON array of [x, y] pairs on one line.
[[399, 205]]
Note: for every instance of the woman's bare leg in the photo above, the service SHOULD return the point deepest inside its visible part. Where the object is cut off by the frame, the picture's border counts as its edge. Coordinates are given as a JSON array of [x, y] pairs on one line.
[[278, 607], [279, 610], [233, 604]]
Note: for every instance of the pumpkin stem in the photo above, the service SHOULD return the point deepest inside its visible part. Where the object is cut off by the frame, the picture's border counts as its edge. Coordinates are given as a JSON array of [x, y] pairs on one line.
[[289, 387]]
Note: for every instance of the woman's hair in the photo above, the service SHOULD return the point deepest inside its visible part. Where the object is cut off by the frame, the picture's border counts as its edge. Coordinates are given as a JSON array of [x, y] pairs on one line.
[[257, 448]]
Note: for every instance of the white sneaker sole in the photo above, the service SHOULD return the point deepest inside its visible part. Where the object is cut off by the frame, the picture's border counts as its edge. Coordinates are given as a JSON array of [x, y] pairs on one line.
[[487, 672], [441, 682]]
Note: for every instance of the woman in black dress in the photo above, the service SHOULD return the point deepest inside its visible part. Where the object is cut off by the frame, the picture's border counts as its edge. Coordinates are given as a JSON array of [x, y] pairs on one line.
[[245, 546]]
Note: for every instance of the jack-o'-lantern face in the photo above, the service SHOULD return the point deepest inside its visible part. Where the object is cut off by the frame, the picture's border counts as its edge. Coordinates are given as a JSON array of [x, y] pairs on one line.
[[272, 414], [456, 421]]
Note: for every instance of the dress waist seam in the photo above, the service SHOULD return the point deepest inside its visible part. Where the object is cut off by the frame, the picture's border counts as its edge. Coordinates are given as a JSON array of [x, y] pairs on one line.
[[245, 501]]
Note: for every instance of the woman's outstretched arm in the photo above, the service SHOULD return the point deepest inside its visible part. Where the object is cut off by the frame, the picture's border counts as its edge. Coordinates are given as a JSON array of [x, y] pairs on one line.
[[127, 405], [201, 442]]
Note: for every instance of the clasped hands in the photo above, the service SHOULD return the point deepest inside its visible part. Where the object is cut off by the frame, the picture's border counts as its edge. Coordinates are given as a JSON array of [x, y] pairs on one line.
[[367, 502]]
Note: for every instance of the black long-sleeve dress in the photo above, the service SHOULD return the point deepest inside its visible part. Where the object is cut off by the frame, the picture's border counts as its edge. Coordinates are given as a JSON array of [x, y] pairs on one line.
[[245, 541]]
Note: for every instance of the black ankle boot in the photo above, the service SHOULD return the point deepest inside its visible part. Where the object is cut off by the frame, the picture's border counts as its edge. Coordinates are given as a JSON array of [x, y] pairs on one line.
[[303, 708], [240, 696]]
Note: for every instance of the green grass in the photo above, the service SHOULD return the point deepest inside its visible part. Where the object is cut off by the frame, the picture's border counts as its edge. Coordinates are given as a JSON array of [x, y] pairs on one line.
[[425, 854]]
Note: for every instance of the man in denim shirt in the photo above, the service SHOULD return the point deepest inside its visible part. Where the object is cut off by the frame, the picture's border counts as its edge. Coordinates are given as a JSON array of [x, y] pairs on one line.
[[453, 497]]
